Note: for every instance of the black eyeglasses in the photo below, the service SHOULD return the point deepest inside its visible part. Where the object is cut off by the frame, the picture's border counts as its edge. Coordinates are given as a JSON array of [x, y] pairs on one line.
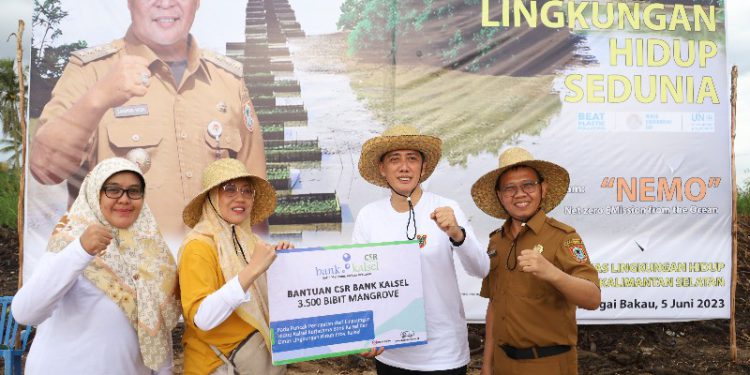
[[115, 192], [528, 187], [231, 190]]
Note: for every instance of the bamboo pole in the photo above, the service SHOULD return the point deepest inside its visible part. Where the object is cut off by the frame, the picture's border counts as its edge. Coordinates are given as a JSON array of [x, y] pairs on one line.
[[732, 320], [22, 164]]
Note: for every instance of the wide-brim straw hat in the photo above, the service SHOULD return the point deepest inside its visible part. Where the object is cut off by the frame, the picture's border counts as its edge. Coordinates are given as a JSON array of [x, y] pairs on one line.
[[398, 137], [224, 170], [557, 178]]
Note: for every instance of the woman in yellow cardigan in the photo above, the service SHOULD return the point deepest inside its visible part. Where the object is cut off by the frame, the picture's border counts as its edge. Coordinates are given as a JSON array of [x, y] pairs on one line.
[[222, 266]]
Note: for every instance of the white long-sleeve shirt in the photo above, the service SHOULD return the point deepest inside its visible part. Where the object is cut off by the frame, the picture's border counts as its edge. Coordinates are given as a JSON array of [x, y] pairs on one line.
[[447, 346], [217, 306], [80, 330]]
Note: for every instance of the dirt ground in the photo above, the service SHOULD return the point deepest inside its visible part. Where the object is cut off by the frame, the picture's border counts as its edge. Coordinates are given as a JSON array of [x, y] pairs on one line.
[[650, 349]]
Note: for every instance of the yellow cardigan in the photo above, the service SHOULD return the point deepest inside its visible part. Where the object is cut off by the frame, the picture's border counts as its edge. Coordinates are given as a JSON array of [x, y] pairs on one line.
[[200, 275]]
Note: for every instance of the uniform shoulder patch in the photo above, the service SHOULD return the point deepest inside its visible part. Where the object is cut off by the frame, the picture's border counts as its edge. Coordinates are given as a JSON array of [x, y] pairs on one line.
[[88, 55], [498, 230], [230, 65], [576, 249], [560, 225]]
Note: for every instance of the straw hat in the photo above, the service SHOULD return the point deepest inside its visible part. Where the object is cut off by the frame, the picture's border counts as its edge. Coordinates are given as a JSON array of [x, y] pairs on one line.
[[397, 137], [224, 170], [557, 178]]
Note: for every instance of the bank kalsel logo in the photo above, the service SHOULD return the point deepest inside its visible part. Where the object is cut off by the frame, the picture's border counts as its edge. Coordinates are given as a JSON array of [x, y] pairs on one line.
[[368, 263], [336, 269]]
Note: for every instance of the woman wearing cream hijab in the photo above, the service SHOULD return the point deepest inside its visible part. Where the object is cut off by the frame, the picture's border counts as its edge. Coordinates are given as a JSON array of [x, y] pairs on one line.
[[222, 274], [103, 296]]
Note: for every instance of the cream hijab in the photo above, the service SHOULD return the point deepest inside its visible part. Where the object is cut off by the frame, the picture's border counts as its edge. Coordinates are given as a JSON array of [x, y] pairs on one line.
[[212, 228], [137, 271]]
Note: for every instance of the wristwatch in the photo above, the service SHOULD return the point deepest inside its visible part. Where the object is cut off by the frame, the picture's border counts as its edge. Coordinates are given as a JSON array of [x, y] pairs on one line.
[[456, 243]]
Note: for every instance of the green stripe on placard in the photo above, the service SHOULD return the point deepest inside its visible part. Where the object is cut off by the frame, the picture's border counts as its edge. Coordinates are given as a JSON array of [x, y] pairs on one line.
[[321, 356], [360, 245]]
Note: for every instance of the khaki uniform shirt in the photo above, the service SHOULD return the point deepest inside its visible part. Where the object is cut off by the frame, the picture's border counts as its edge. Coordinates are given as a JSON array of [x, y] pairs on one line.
[[170, 122], [528, 311]]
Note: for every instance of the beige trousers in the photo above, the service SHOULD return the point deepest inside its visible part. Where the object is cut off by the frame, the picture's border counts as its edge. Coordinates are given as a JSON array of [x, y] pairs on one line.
[[250, 358]]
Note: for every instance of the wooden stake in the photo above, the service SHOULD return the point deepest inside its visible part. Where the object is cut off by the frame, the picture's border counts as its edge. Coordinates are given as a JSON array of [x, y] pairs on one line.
[[732, 321], [22, 164]]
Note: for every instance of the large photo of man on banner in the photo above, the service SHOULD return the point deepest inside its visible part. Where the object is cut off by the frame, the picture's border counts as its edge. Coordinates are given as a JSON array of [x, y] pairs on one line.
[[622, 94], [154, 97]]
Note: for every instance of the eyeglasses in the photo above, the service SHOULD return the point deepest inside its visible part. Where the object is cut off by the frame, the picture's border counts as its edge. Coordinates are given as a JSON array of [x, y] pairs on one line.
[[231, 190], [115, 192], [510, 191]]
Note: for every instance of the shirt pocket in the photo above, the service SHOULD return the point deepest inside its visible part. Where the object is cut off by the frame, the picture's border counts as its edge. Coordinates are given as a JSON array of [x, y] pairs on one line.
[[228, 144], [128, 134], [494, 275], [525, 284]]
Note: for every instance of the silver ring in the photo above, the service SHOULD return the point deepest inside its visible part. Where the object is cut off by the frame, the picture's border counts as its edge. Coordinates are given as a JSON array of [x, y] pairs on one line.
[[145, 79]]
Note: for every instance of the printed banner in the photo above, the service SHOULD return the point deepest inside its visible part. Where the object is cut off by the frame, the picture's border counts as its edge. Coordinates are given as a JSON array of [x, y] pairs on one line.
[[345, 299], [631, 97]]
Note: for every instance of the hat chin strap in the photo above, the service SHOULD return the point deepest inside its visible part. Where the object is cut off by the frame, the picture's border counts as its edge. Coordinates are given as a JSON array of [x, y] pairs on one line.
[[412, 214], [235, 240]]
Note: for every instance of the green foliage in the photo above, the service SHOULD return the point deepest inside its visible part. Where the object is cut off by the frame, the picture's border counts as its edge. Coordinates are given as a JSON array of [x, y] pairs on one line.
[[47, 15], [350, 14], [50, 65], [385, 25], [9, 181], [278, 172], [9, 96], [308, 207], [273, 127], [375, 23], [743, 198], [455, 43], [12, 145], [48, 61], [292, 146]]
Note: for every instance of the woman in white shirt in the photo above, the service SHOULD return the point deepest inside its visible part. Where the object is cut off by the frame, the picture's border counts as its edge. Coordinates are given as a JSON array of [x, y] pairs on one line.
[[103, 296]]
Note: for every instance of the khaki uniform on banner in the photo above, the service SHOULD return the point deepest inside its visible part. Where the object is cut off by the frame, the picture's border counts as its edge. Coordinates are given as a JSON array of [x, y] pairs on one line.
[[177, 127], [529, 312]]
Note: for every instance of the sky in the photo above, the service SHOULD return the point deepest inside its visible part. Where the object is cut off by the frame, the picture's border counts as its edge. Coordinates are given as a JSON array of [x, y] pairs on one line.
[[115, 13], [13, 10]]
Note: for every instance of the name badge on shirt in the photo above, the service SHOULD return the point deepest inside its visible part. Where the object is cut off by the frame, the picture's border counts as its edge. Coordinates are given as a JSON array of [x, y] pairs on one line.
[[131, 110]]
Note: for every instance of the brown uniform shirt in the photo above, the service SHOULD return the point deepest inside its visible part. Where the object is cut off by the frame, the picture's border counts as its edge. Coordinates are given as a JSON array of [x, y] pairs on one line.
[[170, 122], [528, 311]]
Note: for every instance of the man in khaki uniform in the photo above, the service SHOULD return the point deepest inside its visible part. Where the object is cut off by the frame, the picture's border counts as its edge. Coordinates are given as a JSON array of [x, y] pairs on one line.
[[539, 270], [156, 98]]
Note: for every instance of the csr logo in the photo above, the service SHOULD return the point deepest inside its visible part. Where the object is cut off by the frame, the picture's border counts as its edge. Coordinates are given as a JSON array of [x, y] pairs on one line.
[[660, 189]]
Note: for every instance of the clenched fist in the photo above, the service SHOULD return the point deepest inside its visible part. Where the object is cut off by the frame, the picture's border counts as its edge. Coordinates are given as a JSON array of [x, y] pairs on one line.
[[532, 261], [263, 255], [95, 239], [446, 220], [128, 78]]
